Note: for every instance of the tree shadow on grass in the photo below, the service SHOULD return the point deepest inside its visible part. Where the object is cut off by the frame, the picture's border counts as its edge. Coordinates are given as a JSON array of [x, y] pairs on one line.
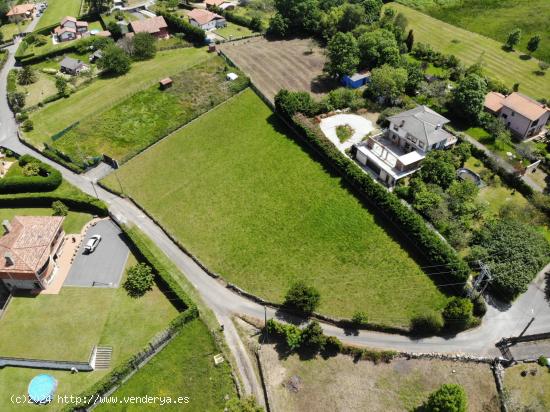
[[525, 57]]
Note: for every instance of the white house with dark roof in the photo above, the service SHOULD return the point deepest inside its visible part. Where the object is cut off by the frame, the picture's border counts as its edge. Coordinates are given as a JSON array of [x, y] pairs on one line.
[[398, 151], [525, 117], [70, 29]]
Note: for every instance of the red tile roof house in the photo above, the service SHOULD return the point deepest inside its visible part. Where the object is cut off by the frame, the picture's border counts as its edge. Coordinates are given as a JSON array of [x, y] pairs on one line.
[[205, 19], [524, 116], [21, 12], [155, 26], [70, 29], [29, 249]]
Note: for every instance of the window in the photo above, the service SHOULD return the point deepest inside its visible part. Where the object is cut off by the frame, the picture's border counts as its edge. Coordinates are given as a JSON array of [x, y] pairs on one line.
[[513, 113], [504, 116], [535, 123]]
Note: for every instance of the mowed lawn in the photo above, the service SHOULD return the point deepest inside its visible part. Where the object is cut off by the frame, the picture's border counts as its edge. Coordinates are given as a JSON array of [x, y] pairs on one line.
[[150, 114], [57, 9], [74, 221], [105, 92], [184, 368], [472, 48], [255, 208]]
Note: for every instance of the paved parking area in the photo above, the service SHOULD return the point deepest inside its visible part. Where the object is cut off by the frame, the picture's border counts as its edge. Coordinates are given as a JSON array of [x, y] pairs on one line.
[[103, 267]]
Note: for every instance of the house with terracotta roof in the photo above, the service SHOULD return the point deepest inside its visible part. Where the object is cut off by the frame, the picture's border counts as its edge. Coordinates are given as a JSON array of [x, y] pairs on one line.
[[29, 250], [205, 19], [524, 116], [155, 26], [220, 4], [70, 29], [21, 12]]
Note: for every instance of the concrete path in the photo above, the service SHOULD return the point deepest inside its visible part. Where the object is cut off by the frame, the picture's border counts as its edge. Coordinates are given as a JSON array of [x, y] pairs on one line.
[[361, 127]]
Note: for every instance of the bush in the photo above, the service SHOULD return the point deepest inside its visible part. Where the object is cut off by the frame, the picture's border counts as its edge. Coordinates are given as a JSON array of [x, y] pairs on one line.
[[247, 404], [480, 307], [333, 346], [448, 398], [458, 313], [543, 361], [313, 338], [46, 180], [31, 169], [27, 125], [302, 298], [360, 318], [292, 335], [143, 46], [427, 324], [59, 208], [139, 280], [114, 60]]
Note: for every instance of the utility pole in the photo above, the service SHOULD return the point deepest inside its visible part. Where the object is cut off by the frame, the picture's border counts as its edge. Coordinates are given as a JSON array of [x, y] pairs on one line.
[[482, 281], [93, 186], [265, 325]]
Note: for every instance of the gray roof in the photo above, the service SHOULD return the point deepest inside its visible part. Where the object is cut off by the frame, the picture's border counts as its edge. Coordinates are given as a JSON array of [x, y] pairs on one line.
[[422, 123], [70, 63]]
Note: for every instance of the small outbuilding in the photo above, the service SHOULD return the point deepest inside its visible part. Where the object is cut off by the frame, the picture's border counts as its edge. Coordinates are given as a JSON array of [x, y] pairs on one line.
[[71, 66], [165, 83], [356, 80]]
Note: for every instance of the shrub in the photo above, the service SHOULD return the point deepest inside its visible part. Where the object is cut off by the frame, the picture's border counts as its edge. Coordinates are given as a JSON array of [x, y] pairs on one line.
[[312, 337], [429, 323], [26, 76], [360, 318], [290, 103], [292, 335], [16, 100], [31, 169], [458, 313], [448, 398], [480, 307], [543, 361], [302, 298], [139, 280], [333, 346], [27, 125], [247, 404], [46, 180], [59, 208], [143, 46]]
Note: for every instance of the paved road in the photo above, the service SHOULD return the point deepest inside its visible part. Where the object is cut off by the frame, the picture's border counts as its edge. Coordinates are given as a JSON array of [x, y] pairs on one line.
[[498, 323], [103, 267]]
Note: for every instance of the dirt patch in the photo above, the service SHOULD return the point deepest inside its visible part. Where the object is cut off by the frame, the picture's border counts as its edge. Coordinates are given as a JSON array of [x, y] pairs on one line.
[[339, 384], [527, 387], [283, 64]]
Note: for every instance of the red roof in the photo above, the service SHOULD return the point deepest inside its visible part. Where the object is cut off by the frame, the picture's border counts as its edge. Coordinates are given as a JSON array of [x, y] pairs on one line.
[[152, 25], [21, 9], [203, 16], [493, 101]]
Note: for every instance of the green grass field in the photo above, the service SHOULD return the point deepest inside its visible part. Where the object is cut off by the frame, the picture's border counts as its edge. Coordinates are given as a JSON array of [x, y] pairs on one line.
[[57, 9], [151, 114], [529, 392], [184, 368], [104, 93], [255, 208], [234, 31], [494, 18], [471, 48], [10, 29], [74, 221]]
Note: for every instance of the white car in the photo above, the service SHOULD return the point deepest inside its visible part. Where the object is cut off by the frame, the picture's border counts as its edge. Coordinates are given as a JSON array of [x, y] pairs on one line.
[[92, 243]]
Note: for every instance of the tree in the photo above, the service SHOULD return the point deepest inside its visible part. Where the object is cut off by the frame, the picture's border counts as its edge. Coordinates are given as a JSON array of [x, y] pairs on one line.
[[373, 8], [360, 318], [291, 103], [16, 100], [469, 97], [458, 313], [58, 207], [343, 55], [114, 60], [144, 46], [26, 76], [415, 76], [513, 39], [377, 48], [313, 337], [449, 397], [61, 86], [438, 168], [278, 26], [27, 125], [302, 298], [387, 82], [299, 16], [98, 6], [247, 404], [533, 43], [409, 41], [115, 30], [139, 280], [352, 16]]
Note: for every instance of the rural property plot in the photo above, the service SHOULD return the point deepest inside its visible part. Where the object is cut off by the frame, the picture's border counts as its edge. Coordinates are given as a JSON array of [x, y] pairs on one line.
[[283, 64]]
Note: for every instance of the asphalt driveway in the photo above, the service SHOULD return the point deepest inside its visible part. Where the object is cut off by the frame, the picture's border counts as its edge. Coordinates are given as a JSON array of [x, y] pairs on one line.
[[103, 267]]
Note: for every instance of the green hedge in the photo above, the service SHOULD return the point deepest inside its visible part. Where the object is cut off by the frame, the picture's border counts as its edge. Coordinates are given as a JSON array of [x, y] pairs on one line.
[[175, 23], [435, 250], [252, 24], [48, 180], [81, 204]]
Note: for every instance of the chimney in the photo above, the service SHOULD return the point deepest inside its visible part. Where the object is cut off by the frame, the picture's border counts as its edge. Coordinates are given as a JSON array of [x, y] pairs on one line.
[[7, 226], [9, 259], [438, 126]]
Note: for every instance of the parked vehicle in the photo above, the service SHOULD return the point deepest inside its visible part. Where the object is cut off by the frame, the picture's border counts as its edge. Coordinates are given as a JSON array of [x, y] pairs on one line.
[[92, 243]]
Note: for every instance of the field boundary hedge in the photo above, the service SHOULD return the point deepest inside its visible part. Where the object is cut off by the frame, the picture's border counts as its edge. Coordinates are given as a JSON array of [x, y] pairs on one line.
[[48, 180]]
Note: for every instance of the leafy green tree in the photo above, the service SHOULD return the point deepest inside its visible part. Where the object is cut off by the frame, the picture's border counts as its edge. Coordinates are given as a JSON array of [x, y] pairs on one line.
[[533, 43], [415, 77], [313, 337], [61, 85], [58, 207], [115, 30], [343, 55], [114, 60], [438, 168], [17, 100], [291, 103], [360, 318], [463, 151], [388, 82], [139, 280], [462, 195], [458, 313], [278, 26], [409, 41], [513, 39], [302, 298], [352, 16], [26, 75], [377, 48], [143, 46], [373, 8], [469, 97], [98, 6], [425, 200], [300, 16], [27, 125], [247, 404], [449, 397]]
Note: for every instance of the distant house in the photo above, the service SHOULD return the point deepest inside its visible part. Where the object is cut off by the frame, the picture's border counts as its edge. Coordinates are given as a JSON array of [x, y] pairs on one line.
[[220, 4], [205, 19], [21, 12], [71, 66], [399, 151], [155, 26], [70, 29], [356, 80], [30, 247], [525, 117]]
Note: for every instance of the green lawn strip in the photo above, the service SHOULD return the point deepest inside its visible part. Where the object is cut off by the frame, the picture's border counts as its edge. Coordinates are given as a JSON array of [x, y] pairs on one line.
[[257, 209], [256, 8], [234, 31], [11, 29], [74, 221], [149, 115], [36, 92], [103, 93], [183, 368], [472, 48], [56, 10]]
